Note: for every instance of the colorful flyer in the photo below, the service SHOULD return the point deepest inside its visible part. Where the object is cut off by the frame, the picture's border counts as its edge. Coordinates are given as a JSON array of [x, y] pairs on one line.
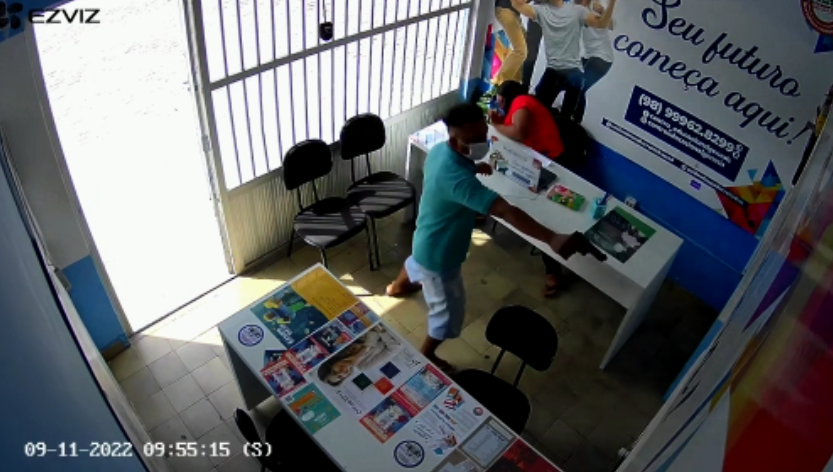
[[363, 373], [312, 408], [620, 234], [522, 458], [486, 444], [567, 197], [283, 377], [270, 356], [448, 421], [307, 354], [289, 316], [325, 292], [421, 389], [458, 462], [332, 336], [386, 419], [358, 318]]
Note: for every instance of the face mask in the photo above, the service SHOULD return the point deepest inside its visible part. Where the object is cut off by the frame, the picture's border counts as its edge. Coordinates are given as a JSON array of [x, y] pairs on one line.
[[478, 151]]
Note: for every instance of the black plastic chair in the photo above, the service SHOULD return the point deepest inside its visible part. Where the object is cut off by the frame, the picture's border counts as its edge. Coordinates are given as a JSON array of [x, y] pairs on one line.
[[292, 449], [528, 336], [378, 194], [326, 223]]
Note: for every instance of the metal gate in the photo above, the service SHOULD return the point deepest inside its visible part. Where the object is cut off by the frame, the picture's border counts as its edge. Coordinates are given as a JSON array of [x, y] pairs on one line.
[[266, 81]]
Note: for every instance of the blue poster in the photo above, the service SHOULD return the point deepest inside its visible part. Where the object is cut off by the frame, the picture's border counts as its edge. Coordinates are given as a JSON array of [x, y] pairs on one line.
[[289, 316]]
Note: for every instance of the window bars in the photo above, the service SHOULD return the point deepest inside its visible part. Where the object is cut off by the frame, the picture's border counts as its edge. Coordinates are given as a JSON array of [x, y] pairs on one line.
[[274, 83]]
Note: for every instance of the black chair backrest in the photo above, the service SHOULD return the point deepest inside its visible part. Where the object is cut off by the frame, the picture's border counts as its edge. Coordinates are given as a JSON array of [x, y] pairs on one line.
[[305, 162], [576, 142], [362, 135], [524, 333], [249, 431]]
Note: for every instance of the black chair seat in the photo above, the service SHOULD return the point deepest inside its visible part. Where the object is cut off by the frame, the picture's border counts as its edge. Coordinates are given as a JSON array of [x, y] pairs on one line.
[[503, 400], [330, 222], [382, 194], [293, 448]]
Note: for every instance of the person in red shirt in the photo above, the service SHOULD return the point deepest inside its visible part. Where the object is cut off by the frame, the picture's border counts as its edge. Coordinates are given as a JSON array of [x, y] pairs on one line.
[[523, 118]]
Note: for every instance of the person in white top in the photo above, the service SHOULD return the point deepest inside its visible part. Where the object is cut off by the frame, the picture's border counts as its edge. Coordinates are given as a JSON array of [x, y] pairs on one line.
[[562, 25], [598, 55]]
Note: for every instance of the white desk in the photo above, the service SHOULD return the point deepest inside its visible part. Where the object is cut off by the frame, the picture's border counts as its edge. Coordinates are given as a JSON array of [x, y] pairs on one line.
[[392, 410], [634, 284]]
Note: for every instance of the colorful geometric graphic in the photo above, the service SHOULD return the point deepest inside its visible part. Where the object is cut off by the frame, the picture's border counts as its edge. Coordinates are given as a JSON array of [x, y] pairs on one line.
[[761, 200], [773, 411]]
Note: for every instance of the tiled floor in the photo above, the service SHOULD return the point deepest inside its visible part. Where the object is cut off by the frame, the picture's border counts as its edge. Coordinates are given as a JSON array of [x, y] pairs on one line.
[[178, 379]]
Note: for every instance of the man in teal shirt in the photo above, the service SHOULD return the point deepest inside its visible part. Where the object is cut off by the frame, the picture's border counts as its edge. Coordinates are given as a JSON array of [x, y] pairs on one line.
[[452, 197]]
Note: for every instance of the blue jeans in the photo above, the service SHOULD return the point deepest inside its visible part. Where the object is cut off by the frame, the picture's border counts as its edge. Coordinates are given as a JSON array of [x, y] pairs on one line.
[[445, 296], [553, 82], [594, 70]]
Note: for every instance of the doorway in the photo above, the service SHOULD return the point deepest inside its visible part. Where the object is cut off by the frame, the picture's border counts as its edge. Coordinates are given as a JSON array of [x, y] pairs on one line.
[[119, 93]]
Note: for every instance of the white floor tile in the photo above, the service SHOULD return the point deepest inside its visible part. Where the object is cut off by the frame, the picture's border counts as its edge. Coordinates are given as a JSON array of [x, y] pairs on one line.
[[168, 369], [212, 376], [183, 393], [201, 418]]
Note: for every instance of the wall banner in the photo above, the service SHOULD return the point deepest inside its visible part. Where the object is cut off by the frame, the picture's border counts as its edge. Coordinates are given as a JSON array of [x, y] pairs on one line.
[[720, 98]]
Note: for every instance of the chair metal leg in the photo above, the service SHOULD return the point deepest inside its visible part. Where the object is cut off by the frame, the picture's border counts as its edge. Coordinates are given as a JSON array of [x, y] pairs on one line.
[[375, 244], [497, 361], [324, 258], [494, 226], [291, 239], [369, 249], [518, 376]]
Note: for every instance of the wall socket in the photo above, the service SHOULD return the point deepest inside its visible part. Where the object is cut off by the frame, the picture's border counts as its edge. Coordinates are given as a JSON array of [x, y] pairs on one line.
[[630, 201]]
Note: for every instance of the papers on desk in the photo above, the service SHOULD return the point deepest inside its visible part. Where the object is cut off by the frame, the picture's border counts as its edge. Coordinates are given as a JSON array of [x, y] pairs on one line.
[[333, 362], [620, 234], [431, 136], [521, 166], [361, 375]]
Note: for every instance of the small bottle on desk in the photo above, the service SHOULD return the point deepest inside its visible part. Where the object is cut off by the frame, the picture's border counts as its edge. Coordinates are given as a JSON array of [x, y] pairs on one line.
[[599, 207]]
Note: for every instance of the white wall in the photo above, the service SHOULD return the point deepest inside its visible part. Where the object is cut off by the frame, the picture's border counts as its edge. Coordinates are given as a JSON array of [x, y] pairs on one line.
[[48, 391], [34, 152], [32, 138]]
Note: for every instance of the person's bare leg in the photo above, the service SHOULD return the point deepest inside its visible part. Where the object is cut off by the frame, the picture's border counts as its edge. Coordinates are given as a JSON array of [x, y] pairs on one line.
[[429, 350], [402, 285]]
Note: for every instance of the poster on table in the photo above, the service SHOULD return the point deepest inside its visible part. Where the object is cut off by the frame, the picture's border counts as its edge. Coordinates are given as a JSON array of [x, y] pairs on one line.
[[719, 98], [361, 375]]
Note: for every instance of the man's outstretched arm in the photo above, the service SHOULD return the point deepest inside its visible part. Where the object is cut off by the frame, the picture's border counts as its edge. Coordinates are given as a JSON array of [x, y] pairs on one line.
[[524, 8], [565, 245], [603, 21]]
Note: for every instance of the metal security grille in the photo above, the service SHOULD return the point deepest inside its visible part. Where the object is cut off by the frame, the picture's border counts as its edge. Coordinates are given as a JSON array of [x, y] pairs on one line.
[[271, 82]]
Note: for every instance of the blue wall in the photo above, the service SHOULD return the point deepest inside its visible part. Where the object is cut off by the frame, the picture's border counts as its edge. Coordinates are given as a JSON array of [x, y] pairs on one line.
[[711, 261], [49, 394], [93, 304]]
